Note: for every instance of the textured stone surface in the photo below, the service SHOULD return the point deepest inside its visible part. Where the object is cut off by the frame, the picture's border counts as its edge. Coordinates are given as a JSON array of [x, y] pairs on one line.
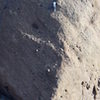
[[80, 21], [46, 55]]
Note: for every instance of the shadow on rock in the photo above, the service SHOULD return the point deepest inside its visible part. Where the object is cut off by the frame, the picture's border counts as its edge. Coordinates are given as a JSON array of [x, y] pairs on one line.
[[30, 66]]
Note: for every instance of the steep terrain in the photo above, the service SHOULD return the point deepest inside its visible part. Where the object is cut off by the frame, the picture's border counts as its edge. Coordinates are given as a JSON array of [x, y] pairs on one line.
[[46, 55], [80, 21]]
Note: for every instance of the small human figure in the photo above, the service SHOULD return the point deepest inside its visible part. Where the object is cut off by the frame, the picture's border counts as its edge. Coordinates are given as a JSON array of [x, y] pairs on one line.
[[54, 5]]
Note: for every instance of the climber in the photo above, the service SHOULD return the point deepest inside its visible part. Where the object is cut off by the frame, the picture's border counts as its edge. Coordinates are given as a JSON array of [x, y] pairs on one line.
[[54, 5]]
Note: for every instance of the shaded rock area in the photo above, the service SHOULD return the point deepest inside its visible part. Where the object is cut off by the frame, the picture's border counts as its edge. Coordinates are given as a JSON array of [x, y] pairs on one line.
[[30, 53]]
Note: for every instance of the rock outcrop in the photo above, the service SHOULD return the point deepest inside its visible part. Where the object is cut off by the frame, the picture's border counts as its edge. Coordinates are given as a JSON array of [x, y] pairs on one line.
[[46, 55]]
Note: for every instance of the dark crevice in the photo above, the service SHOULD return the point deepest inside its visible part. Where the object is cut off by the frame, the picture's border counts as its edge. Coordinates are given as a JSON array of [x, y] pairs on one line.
[[99, 82], [34, 25], [87, 86], [94, 91]]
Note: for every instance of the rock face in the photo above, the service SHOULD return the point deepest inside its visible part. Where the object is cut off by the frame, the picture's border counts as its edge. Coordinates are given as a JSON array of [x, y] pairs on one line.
[[46, 55]]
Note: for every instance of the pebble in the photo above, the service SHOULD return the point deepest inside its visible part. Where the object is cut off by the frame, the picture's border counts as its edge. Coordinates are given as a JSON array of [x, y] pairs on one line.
[[49, 70], [37, 50]]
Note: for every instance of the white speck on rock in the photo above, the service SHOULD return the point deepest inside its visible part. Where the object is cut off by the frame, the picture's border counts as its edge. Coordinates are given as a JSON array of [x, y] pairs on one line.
[[61, 49], [37, 50], [48, 41], [48, 70]]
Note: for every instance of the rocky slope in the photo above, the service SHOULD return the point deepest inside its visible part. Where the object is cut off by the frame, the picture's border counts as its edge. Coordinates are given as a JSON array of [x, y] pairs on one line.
[[46, 55]]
